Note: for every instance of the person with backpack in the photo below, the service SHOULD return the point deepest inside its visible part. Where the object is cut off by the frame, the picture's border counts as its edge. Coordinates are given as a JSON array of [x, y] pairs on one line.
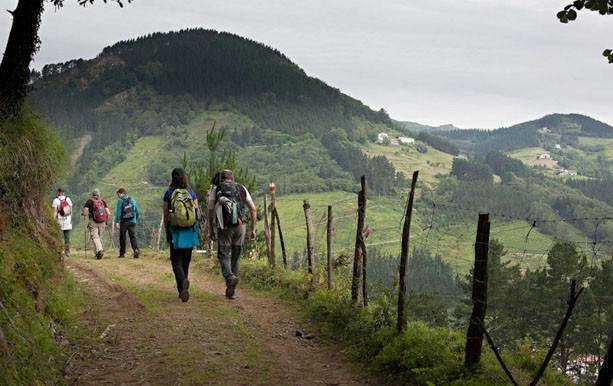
[[98, 214], [62, 206], [227, 213], [181, 224], [126, 218]]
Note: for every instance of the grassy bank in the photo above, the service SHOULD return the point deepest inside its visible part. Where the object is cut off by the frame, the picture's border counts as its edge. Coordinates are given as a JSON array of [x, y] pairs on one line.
[[423, 355], [38, 303]]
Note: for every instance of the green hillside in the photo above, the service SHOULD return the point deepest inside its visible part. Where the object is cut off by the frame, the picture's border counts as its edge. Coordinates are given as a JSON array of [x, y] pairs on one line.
[[408, 158], [143, 105], [160, 79], [278, 121], [545, 131]]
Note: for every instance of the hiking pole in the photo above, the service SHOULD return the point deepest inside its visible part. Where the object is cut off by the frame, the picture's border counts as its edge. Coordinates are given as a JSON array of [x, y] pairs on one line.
[[112, 236]]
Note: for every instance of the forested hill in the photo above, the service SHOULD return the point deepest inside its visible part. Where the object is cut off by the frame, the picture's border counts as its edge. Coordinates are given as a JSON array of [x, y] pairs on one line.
[[550, 129], [157, 80], [173, 88]]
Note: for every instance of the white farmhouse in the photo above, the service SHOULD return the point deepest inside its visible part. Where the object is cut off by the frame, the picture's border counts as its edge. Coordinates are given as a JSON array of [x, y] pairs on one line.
[[382, 137], [543, 156], [405, 140], [558, 146], [565, 172]]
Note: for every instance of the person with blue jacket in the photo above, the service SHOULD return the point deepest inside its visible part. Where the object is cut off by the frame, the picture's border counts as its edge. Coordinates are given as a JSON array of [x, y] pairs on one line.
[[181, 239], [126, 218]]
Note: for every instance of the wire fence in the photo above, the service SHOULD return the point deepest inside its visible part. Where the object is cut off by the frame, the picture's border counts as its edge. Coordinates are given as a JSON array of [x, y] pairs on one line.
[[442, 229]]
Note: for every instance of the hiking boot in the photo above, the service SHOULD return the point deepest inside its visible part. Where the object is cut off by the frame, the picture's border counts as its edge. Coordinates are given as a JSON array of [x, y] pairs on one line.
[[67, 253], [231, 286], [184, 294], [121, 256], [136, 253]]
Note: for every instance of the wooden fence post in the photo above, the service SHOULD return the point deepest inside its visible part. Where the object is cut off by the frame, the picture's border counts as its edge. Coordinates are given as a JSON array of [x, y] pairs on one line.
[[283, 252], [357, 256], [605, 375], [364, 273], [159, 236], [572, 301], [272, 188], [329, 249], [474, 335], [267, 230], [309, 228], [401, 325], [85, 235]]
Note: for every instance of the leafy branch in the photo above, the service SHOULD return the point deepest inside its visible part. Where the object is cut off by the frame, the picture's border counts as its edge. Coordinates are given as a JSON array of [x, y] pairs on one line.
[[603, 7]]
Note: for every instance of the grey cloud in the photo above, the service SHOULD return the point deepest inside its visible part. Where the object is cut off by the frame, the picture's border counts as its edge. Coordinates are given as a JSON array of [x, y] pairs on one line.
[[475, 63]]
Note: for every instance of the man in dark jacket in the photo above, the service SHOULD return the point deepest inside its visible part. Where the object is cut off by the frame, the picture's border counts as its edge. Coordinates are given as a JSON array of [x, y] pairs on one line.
[[126, 218]]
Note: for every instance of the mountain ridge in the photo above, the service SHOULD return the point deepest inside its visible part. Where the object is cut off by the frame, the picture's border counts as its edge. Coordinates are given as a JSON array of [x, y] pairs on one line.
[[204, 67]]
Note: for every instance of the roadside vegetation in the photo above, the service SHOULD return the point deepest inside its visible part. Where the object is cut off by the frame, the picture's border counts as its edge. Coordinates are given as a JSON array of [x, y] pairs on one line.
[[39, 304]]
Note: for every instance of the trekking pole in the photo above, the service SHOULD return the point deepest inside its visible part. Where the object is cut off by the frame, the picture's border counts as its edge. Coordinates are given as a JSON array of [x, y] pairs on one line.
[[112, 236], [84, 236]]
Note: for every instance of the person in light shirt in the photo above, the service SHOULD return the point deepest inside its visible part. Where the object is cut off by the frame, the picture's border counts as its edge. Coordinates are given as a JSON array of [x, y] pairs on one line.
[[62, 207]]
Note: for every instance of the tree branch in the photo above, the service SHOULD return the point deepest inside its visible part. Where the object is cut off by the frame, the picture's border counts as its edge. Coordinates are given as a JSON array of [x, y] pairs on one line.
[[492, 345], [572, 301]]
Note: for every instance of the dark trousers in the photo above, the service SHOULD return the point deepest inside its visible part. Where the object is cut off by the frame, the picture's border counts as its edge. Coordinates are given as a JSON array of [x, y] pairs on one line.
[[180, 259], [66, 240], [130, 229], [229, 249]]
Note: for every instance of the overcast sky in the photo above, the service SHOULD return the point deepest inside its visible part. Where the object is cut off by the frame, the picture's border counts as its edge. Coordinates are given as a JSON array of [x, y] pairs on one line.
[[473, 63]]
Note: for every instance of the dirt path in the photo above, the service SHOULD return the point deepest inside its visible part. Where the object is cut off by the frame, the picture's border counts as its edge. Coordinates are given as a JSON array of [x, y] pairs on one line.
[[83, 142], [143, 334]]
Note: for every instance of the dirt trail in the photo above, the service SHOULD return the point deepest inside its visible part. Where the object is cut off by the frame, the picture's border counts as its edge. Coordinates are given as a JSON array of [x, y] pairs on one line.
[[153, 338], [78, 152]]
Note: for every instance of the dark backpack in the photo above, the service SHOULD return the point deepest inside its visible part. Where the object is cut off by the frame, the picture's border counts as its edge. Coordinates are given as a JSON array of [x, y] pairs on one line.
[[127, 209], [99, 210], [231, 197]]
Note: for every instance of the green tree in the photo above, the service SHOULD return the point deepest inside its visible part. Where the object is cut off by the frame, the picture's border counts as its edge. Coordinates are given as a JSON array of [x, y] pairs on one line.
[[603, 7], [22, 44]]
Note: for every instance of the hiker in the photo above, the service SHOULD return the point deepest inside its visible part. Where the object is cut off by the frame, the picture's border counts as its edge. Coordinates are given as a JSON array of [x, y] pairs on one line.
[[98, 214], [181, 223], [126, 218], [63, 214], [227, 206]]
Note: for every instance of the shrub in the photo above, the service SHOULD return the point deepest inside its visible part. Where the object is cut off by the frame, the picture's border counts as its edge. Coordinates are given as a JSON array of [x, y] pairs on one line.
[[423, 355]]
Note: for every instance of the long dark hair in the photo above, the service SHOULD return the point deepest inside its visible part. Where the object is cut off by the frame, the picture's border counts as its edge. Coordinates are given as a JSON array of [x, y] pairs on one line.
[[179, 179]]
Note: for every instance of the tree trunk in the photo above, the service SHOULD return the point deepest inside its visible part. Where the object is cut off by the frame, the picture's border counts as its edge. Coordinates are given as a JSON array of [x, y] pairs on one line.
[[21, 46], [605, 375], [404, 257], [572, 301]]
